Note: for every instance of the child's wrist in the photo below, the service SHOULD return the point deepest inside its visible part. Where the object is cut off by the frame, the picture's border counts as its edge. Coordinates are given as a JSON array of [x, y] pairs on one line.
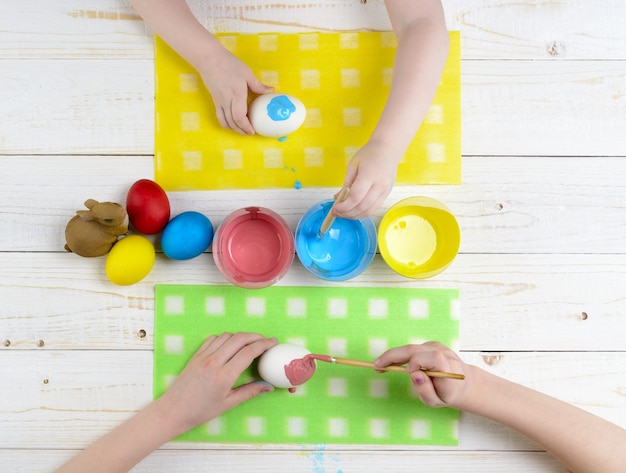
[[476, 384], [206, 53], [388, 147], [169, 417]]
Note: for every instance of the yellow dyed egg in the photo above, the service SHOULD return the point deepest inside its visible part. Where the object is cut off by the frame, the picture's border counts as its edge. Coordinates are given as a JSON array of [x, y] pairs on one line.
[[130, 260]]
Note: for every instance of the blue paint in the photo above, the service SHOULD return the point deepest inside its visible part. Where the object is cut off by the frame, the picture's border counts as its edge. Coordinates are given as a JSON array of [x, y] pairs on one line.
[[282, 138], [343, 252], [318, 460], [297, 185], [280, 108]]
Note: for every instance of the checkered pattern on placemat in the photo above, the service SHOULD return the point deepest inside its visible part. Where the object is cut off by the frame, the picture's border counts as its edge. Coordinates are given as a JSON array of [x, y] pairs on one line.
[[343, 79], [340, 404]]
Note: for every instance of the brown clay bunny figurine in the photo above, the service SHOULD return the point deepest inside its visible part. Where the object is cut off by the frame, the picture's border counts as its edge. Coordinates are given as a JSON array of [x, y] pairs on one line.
[[93, 232]]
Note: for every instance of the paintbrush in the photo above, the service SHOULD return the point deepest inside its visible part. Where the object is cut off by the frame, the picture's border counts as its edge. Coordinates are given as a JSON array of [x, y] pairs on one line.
[[330, 218], [396, 368]]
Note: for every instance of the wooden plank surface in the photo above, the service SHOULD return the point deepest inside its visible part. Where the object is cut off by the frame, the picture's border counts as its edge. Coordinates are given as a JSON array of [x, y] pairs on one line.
[[320, 460], [491, 29], [508, 302], [80, 395], [543, 255], [554, 205], [518, 108]]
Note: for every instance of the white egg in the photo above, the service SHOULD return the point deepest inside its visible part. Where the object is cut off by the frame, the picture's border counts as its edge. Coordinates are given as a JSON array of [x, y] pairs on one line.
[[276, 115], [274, 365]]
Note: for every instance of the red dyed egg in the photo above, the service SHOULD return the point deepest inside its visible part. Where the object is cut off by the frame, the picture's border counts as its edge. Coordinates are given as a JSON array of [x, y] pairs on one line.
[[148, 207]]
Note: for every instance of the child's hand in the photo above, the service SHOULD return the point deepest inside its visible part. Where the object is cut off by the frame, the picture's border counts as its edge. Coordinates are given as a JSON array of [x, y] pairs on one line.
[[434, 392], [228, 80], [204, 389], [370, 177]]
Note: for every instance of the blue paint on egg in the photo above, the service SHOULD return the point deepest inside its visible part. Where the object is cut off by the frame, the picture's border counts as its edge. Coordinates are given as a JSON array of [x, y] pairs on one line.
[[297, 185], [276, 115], [186, 236], [280, 108]]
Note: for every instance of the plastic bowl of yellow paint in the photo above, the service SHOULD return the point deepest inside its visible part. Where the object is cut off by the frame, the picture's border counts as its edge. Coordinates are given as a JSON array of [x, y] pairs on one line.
[[418, 237]]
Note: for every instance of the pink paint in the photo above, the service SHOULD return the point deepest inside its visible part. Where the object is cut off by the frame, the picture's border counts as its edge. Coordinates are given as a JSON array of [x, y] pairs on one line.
[[254, 247], [300, 370], [326, 358]]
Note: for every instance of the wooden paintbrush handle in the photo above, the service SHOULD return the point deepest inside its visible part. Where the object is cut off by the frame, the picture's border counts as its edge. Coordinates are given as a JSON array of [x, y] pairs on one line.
[[329, 219], [443, 374], [396, 368]]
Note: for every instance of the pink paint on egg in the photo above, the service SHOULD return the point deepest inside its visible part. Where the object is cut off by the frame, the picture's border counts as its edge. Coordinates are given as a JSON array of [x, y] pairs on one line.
[[286, 366], [300, 370]]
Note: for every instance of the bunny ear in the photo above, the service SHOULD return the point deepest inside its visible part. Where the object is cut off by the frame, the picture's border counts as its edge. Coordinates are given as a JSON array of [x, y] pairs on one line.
[[89, 203], [85, 215]]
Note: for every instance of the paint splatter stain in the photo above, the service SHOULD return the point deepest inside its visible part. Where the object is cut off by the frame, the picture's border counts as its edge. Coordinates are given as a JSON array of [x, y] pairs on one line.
[[296, 184], [322, 463]]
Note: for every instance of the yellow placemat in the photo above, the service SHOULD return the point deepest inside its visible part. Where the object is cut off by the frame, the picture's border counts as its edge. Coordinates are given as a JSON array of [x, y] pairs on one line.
[[342, 78]]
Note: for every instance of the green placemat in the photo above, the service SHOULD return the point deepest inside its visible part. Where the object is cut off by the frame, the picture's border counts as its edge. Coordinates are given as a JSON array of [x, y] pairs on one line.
[[340, 404]]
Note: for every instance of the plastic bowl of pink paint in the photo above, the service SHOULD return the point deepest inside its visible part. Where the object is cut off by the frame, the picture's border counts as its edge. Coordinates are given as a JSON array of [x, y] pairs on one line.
[[253, 247]]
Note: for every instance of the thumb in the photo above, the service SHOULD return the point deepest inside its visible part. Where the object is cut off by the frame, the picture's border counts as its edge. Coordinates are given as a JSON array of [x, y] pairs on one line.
[[351, 173], [339, 207], [246, 392], [259, 88]]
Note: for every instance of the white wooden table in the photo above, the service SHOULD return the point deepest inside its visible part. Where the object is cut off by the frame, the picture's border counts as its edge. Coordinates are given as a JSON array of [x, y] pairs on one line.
[[542, 208]]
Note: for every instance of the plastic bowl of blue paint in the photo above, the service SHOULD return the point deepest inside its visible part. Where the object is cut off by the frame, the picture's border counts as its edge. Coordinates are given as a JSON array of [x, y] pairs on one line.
[[253, 247], [342, 253]]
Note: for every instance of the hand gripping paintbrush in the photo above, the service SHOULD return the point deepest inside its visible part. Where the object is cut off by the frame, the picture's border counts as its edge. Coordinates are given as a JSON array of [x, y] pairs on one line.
[[396, 368]]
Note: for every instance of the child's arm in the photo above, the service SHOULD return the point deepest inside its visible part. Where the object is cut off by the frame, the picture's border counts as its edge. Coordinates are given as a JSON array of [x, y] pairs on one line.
[[423, 44], [226, 77], [582, 441], [202, 391]]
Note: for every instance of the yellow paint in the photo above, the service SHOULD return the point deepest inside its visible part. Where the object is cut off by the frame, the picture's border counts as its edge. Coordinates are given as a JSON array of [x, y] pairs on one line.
[[104, 15], [412, 239], [343, 79], [418, 237]]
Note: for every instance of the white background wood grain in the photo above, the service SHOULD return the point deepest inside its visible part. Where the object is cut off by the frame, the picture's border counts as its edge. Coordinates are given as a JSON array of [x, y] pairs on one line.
[[542, 266]]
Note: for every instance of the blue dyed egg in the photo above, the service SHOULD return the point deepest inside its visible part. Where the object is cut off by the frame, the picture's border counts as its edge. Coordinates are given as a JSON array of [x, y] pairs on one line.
[[186, 236]]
